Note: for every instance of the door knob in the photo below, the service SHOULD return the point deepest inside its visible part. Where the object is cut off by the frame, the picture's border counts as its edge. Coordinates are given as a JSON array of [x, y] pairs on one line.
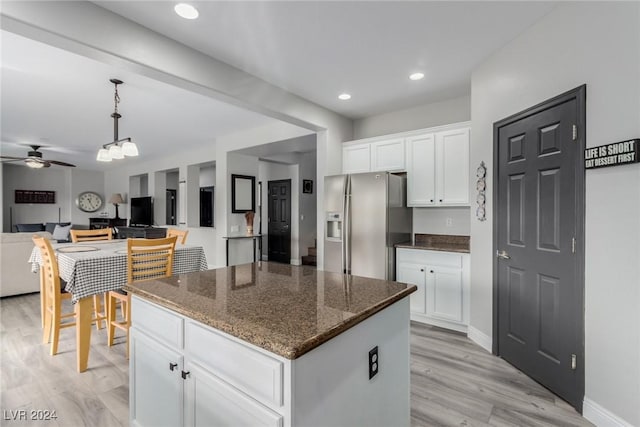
[[502, 255]]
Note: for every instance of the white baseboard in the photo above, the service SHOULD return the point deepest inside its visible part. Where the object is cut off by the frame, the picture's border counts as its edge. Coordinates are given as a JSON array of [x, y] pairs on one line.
[[600, 416], [480, 338]]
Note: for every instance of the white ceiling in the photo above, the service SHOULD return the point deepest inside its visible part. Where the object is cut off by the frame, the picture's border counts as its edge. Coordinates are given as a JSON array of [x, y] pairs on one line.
[[316, 50]]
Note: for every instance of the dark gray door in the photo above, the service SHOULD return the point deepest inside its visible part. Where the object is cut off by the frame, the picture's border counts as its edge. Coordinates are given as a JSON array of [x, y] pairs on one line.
[[539, 257], [279, 239]]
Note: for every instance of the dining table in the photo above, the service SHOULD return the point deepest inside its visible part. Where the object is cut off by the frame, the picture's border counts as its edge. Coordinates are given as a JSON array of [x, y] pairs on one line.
[[95, 267]]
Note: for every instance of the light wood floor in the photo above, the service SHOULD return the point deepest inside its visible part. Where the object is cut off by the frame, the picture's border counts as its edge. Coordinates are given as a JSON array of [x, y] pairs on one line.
[[453, 381]]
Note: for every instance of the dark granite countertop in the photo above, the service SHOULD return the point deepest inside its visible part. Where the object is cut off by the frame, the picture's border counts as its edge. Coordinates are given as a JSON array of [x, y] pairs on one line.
[[438, 242], [287, 310]]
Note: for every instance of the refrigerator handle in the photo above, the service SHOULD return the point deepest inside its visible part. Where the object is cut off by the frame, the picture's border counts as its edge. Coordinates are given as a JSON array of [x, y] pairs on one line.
[[347, 228]]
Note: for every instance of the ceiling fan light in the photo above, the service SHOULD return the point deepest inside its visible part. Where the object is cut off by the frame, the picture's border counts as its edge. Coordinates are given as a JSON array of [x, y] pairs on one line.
[[116, 152], [130, 149], [103, 155], [34, 164]]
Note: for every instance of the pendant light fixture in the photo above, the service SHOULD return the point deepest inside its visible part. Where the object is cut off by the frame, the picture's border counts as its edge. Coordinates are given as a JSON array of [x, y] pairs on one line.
[[118, 148]]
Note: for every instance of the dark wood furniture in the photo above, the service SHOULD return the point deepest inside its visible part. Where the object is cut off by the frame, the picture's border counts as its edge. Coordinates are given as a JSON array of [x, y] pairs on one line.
[[142, 232], [98, 223]]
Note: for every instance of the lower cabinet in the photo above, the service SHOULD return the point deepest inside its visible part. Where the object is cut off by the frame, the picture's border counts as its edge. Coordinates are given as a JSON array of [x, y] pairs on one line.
[[442, 279], [171, 385], [210, 401], [156, 383]]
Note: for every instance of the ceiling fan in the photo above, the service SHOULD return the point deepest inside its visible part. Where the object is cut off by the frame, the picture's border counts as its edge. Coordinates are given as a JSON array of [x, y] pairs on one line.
[[34, 159]]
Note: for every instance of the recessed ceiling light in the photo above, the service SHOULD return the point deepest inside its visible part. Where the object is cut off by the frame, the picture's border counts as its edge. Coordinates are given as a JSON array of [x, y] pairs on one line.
[[344, 96], [416, 76], [186, 11]]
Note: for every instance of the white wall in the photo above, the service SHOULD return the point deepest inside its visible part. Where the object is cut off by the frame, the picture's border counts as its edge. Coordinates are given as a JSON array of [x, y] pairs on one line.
[[423, 116], [127, 180], [66, 182], [597, 44], [308, 203], [434, 220]]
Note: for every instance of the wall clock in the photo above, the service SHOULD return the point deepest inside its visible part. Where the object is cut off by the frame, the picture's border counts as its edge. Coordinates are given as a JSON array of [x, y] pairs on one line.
[[89, 201]]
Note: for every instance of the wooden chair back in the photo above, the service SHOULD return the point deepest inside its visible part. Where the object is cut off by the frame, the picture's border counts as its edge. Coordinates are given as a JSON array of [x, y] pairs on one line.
[[181, 234], [91, 235], [150, 258], [51, 275]]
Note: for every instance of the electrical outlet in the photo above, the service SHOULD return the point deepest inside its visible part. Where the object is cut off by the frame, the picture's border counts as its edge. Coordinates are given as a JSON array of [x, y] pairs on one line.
[[449, 222], [234, 228], [374, 362]]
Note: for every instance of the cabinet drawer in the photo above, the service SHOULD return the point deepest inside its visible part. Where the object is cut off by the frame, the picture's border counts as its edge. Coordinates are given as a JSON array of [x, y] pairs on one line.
[[256, 374], [157, 322], [425, 257]]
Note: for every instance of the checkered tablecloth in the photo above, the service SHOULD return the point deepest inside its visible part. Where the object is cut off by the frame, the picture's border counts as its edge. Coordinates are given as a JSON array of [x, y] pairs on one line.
[[96, 272]]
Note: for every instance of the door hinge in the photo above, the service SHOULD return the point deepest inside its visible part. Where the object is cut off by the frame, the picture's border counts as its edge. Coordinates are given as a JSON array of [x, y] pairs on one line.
[[574, 362], [573, 245], [575, 132]]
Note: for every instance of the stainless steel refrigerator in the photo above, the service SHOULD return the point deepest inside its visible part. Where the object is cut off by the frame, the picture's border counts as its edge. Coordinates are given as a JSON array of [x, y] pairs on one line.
[[365, 216]]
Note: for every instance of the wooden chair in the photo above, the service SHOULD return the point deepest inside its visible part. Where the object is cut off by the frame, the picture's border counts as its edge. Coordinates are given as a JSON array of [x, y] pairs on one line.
[[53, 295], [181, 234], [91, 236], [146, 259]]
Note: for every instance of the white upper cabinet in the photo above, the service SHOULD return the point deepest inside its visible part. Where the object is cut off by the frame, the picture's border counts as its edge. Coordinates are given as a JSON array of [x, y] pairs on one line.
[[356, 158], [438, 168], [421, 166], [452, 177], [436, 161], [388, 155]]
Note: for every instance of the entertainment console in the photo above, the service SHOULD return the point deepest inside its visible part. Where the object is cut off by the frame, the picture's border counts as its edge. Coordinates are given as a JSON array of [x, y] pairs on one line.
[[141, 232]]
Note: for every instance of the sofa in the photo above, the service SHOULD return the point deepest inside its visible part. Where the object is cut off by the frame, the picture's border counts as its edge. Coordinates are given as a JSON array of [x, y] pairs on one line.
[[15, 271]]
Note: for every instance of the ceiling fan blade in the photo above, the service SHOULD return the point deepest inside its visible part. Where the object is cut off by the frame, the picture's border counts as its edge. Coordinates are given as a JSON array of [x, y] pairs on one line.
[[13, 158], [55, 162]]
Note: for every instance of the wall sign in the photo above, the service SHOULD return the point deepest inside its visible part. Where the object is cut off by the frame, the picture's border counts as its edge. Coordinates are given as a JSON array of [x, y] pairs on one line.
[[34, 196], [616, 154]]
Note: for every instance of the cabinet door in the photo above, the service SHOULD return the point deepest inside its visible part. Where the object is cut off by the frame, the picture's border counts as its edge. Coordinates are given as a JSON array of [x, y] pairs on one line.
[[444, 293], [156, 384], [356, 158], [452, 158], [388, 155], [414, 274], [212, 402], [421, 164]]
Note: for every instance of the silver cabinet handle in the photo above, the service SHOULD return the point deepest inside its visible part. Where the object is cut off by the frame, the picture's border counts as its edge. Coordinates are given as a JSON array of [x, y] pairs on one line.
[[502, 255]]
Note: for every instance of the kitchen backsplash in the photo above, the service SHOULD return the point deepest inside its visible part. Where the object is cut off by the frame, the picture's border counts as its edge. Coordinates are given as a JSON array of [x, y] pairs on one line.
[[452, 220]]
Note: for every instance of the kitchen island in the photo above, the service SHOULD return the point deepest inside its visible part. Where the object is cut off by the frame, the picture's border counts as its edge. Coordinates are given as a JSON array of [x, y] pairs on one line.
[[269, 344]]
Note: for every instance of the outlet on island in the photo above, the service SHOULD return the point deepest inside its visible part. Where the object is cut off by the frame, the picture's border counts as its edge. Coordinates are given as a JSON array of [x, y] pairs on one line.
[[449, 222], [374, 362]]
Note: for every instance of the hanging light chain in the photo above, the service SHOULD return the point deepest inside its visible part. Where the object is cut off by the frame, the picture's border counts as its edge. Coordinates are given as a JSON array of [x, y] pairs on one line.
[[116, 99]]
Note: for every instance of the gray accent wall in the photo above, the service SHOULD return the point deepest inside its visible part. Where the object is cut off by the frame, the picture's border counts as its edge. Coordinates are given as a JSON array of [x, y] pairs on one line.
[[66, 182], [577, 43]]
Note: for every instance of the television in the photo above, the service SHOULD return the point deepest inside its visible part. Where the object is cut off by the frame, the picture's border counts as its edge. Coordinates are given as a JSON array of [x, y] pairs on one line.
[[141, 212]]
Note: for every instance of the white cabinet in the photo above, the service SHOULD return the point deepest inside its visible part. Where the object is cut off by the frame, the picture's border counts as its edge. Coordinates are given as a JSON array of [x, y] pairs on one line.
[[452, 167], [356, 158], [376, 156], [442, 278], [212, 402], [438, 168], [388, 155], [155, 383], [183, 373], [421, 166]]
